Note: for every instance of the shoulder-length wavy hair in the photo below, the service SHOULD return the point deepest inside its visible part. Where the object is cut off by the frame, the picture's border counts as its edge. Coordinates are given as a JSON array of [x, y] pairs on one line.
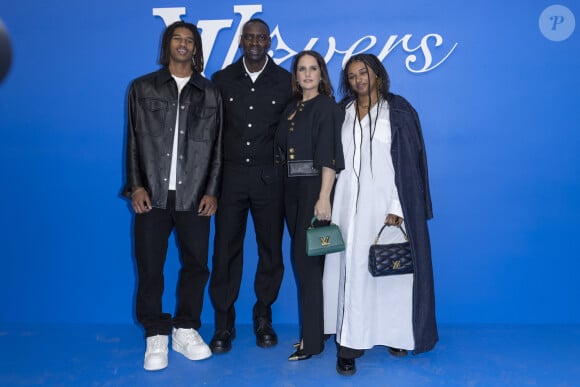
[[164, 56], [324, 87], [372, 62]]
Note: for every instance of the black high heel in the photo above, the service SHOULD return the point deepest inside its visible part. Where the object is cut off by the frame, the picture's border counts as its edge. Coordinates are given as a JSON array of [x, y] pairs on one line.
[[299, 355]]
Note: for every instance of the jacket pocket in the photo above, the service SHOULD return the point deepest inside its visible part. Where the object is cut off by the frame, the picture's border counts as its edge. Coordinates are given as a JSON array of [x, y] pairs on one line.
[[151, 116], [202, 122]]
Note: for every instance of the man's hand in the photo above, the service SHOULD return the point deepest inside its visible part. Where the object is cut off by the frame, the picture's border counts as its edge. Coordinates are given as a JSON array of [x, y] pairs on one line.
[[140, 201], [207, 205]]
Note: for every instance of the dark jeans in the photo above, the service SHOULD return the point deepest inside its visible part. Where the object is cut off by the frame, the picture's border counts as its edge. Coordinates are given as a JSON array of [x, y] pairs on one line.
[[259, 191], [152, 231]]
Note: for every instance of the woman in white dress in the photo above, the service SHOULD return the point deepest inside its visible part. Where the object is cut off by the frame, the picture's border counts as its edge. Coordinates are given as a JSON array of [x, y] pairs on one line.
[[385, 181]]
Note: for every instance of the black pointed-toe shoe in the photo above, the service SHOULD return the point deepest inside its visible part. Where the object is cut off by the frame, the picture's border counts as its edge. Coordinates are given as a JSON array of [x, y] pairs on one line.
[[397, 352], [299, 355], [345, 367], [265, 335], [221, 342]]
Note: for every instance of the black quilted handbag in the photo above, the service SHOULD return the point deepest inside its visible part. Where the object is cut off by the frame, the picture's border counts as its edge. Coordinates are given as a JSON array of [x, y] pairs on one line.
[[390, 259]]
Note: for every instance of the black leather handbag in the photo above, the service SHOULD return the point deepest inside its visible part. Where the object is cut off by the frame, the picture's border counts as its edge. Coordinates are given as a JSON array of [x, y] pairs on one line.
[[301, 168], [391, 259]]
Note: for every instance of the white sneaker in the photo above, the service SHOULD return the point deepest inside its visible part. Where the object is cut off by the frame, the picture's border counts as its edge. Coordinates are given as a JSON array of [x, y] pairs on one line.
[[156, 353], [190, 344]]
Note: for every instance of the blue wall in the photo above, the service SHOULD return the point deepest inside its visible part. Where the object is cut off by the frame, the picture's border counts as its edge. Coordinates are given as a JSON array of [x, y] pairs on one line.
[[497, 97]]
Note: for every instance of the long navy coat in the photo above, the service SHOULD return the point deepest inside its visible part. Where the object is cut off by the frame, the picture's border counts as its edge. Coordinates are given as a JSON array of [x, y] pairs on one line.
[[412, 180]]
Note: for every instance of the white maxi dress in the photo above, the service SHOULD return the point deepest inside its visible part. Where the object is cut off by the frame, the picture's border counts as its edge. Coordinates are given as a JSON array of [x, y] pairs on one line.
[[362, 310]]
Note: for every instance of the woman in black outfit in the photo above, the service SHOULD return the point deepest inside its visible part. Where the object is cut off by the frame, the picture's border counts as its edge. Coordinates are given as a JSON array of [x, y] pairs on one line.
[[308, 137]]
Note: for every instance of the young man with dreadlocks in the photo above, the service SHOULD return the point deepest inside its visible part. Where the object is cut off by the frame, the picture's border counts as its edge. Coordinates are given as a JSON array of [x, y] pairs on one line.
[[174, 163]]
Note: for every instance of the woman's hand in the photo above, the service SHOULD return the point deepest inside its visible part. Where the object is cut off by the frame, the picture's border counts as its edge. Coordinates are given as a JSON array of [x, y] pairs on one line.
[[393, 220], [322, 209]]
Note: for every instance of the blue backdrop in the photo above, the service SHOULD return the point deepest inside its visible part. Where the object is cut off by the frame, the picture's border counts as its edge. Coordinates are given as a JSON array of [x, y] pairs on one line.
[[496, 85]]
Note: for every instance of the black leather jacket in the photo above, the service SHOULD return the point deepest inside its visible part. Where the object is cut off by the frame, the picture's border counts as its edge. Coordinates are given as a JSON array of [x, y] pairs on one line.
[[152, 112]]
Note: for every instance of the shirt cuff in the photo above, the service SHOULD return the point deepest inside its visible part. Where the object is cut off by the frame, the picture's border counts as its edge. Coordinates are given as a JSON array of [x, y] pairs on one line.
[[395, 208]]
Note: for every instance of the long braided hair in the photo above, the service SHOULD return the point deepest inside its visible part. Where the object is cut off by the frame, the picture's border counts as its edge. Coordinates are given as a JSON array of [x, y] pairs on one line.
[[383, 83]]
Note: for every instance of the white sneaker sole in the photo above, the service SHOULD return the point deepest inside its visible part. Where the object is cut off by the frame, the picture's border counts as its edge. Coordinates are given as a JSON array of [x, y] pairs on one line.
[[204, 353], [151, 366]]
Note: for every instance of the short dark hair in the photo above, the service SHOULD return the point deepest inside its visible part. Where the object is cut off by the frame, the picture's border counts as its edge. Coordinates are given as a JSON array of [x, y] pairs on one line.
[[164, 55], [324, 87], [257, 20]]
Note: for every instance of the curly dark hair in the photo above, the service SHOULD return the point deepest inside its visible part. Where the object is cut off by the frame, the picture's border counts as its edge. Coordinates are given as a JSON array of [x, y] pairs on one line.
[[324, 87], [164, 56]]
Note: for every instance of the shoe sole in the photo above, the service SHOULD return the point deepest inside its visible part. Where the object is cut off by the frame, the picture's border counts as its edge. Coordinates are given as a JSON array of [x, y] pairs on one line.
[[266, 344], [157, 368], [269, 344], [397, 353], [220, 350], [345, 373], [201, 356]]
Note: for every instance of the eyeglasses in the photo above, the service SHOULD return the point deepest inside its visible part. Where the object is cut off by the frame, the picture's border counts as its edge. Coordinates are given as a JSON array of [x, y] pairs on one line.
[[260, 37]]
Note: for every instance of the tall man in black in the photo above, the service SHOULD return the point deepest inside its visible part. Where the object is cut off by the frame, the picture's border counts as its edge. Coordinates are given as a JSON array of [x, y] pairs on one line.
[[174, 163], [255, 91]]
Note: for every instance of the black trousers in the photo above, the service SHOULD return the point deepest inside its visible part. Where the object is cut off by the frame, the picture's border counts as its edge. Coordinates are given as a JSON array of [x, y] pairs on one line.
[[259, 191], [348, 353], [151, 233], [301, 194]]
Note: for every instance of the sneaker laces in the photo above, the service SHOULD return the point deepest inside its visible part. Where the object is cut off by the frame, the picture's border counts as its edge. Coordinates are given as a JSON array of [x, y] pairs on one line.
[[190, 336], [156, 344]]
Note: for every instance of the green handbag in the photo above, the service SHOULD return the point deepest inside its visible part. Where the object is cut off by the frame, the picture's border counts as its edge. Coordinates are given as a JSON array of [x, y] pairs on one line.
[[323, 240]]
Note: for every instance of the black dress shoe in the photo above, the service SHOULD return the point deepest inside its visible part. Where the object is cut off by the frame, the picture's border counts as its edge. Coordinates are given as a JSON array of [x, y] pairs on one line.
[[221, 342], [345, 367], [299, 355], [397, 352], [265, 335]]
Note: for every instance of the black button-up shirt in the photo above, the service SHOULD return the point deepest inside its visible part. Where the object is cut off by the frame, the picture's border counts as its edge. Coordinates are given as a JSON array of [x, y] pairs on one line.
[[252, 111]]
